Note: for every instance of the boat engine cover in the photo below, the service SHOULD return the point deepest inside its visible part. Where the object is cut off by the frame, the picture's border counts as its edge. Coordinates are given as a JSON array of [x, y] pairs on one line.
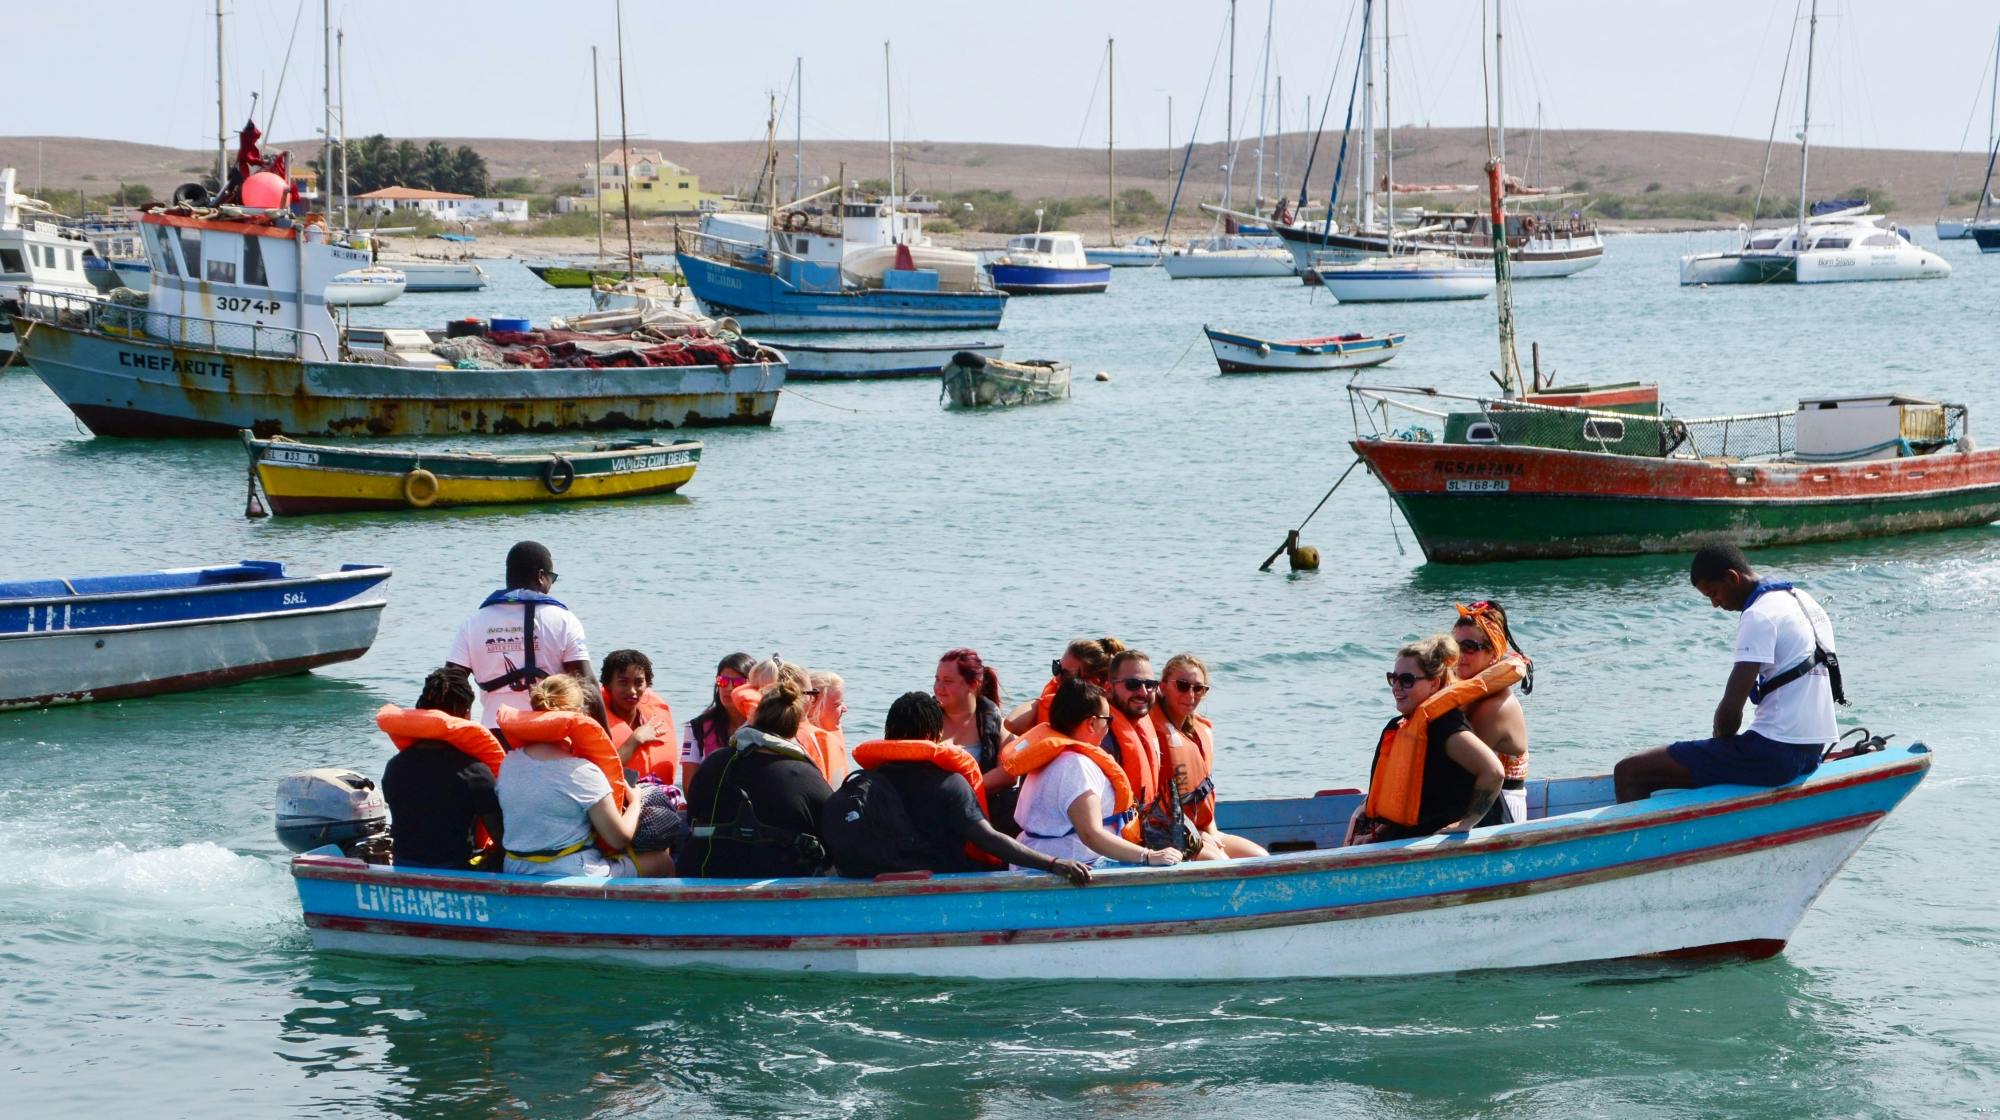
[[330, 806]]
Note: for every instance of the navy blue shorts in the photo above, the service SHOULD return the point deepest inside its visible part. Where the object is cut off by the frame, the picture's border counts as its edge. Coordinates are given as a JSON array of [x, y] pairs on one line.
[[1745, 758]]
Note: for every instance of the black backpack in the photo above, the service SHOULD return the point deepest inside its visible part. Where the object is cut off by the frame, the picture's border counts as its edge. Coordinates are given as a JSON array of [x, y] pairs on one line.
[[867, 830]]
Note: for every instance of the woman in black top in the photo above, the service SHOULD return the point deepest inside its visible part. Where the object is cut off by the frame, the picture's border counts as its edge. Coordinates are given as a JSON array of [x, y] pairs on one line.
[[437, 793], [1461, 774], [755, 805], [969, 692]]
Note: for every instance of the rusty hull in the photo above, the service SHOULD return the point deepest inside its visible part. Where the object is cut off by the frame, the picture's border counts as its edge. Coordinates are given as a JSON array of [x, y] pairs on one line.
[[149, 389]]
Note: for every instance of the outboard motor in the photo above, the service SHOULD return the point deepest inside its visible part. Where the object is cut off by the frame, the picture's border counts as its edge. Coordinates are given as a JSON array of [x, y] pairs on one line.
[[330, 806]]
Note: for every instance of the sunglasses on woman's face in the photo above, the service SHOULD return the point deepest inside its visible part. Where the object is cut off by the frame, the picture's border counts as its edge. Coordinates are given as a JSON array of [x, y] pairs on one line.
[[1188, 687], [1056, 669], [1404, 681], [731, 682], [1475, 645]]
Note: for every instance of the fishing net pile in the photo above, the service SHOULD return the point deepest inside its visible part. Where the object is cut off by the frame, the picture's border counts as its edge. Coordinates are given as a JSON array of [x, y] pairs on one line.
[[557, 349]]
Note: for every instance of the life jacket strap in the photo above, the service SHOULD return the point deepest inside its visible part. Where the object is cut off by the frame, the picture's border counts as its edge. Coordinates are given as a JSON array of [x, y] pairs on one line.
[[527, 674], [1821, 656], [550, 856]]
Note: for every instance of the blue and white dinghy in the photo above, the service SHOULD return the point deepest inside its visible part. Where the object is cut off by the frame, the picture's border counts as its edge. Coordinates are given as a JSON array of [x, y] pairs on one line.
[[1728, 870], [114, 637]]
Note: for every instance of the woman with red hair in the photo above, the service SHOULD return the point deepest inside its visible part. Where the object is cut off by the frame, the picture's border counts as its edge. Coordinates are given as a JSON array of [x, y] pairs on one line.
[[969, 692]]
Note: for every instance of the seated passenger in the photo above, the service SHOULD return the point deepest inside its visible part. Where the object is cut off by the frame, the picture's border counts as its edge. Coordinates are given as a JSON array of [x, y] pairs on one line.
[[1483, 638], [563, 793], [709, 732], [1076, 798], [1088, 658], [940, 795], [640, 724], [1457, 777], [826, 708], [755, 806], [439, 787], [1187, 751], [810, 738], [968, 690], [1131, 737]]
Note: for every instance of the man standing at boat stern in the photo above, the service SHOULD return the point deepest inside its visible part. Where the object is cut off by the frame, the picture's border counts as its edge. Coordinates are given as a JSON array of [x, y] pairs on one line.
[[1785, 666], [519, 635]]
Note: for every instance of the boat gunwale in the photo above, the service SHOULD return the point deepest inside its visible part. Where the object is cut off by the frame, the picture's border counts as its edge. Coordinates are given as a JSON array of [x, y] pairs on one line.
[[1971, 459], [374, 572], [469, 458], [1366, 341], [1530, 834], [205, 620]]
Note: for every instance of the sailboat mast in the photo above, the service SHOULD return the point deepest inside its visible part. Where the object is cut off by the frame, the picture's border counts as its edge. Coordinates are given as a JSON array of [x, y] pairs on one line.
[[1388, 133], [1111, 141], [889, 103], [1229, 115], [1367, 116], [1500, 89], [221, 114], [340, 70], [1503, 279], [799, 123], [625, 150], [326, 97], [1992, 136], [1805, 127], [597, 134], [1263, 105]]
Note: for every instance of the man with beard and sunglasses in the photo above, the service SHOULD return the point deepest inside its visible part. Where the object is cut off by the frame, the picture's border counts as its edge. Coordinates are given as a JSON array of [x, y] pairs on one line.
[[1132, 738]]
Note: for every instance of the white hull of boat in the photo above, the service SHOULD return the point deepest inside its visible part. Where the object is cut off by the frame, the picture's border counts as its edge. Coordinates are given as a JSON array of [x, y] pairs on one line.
[[1123, 258], [1229, 264], [441, 276], [1839, 265], [353, 290], [1953, 229], [1717, 268], [1413, 286], [1551, 267]]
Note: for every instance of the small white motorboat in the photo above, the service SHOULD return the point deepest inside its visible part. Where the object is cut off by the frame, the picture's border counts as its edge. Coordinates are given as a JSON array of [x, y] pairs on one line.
[[366, 287], [1140, 252], [1230, 257], [1406, 277], [1242, 353]]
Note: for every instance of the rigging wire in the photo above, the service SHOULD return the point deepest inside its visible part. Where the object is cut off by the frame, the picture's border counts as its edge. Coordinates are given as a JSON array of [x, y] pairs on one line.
[[1193, 130]]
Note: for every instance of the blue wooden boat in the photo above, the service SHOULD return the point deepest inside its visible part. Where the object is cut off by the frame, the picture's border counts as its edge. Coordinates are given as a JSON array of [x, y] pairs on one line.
[[1242, 353], [119, 636], [1727, 870], [773, 290], [823, 362]]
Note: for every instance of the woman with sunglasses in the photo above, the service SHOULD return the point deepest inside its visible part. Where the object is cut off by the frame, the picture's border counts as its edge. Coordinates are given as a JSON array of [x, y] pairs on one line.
[[1075, 798], [1085, 658], [1484, 638], [1187, 748], [1461, 775], [709, 732]]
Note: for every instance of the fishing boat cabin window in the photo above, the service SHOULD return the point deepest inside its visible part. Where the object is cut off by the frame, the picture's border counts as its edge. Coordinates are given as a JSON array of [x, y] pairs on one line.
[[221, 271], [166, 247], [1482, 431], [253, 262], [1603, 431], [191, 248], [11, 263]]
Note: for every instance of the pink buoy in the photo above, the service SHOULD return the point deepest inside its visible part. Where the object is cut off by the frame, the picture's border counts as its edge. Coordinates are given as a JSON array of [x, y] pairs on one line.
[[265, 191]]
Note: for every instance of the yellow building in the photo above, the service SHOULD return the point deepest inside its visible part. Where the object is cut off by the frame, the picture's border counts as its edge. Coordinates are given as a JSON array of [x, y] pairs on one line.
[[659, 185]]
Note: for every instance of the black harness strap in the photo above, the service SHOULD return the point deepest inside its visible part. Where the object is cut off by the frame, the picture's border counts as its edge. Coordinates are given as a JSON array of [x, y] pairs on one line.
[[527, 673], [1820, 656]]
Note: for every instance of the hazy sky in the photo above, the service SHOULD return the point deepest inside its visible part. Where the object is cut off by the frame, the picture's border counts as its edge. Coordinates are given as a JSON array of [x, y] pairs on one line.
[[1909, 74]]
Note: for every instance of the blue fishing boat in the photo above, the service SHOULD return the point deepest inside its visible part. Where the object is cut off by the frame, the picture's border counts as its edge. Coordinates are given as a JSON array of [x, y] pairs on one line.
[[1047, 264], [119, 636], [843, 271], [1728, 870], [824, 362], [1242, 353]]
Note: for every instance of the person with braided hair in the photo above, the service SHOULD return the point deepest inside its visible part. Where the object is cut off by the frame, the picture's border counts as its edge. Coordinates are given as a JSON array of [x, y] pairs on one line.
[[1484, 638]]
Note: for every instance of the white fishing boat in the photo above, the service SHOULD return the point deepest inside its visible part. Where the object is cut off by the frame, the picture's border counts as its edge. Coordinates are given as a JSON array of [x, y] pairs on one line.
[[34, 253], [973, 381], [1242, 353], [365, 287], [1050, 263]]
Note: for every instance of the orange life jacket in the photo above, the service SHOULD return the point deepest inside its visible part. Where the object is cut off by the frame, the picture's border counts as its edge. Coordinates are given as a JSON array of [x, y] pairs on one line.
[[1396, 789], [580, 736], [1139, 751], [1047, 698], [1042, 744], [658, 757], [833, 753], [406, 726], [1188, 762], [944, 756]]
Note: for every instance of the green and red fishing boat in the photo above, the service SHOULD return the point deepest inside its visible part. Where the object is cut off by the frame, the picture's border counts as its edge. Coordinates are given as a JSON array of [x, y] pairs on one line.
[[1516, 478]]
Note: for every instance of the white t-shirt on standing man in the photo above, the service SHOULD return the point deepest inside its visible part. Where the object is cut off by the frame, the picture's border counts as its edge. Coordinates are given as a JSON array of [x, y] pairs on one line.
[[490, 645], [1777, 632]]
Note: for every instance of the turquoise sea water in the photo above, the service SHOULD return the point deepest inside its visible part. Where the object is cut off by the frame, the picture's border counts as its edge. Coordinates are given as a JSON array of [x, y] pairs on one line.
[[151, 952]]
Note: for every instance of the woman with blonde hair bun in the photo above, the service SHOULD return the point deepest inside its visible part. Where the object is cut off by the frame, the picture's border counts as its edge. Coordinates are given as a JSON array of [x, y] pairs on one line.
[[756, 805], [556, 797]]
